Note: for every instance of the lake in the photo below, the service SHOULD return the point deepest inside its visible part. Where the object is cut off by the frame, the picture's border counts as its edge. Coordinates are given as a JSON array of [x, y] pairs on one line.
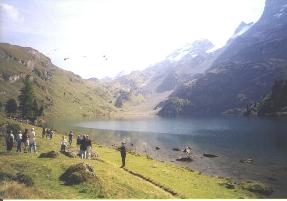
[[264, 140]]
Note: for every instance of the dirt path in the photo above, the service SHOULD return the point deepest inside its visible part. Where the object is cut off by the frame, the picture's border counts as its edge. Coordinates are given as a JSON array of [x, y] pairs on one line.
[[152, 182]]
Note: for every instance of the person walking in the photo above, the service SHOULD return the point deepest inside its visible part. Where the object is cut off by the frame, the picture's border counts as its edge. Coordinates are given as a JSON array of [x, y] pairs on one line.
[[19, 141], [25, 140], [83, 147], [71, 135], [32, 141], [123, 154]]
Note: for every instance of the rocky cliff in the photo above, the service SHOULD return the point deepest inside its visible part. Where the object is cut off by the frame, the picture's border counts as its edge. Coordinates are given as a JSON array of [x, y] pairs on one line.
[[243, 72]]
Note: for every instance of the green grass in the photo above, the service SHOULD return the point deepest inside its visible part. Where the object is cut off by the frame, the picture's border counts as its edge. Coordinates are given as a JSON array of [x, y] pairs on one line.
[[64, 94], [113, 182]]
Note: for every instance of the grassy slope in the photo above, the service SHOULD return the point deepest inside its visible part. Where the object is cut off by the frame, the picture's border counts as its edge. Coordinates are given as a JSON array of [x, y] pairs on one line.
[[64, 94], [114, 181]]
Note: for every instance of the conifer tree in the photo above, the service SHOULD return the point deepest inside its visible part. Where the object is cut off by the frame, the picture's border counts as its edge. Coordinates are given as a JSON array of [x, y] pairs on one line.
[[11, 106], [26, 100]]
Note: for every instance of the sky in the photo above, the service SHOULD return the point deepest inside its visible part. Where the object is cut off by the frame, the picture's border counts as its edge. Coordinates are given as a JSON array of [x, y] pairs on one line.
[[99, 38]]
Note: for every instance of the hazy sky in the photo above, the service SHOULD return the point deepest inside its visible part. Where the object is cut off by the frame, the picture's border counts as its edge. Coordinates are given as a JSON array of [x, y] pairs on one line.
[[104, 37]]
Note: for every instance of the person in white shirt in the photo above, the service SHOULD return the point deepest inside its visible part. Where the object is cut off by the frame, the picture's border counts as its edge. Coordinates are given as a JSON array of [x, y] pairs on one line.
[[64, 144], [32, 140]]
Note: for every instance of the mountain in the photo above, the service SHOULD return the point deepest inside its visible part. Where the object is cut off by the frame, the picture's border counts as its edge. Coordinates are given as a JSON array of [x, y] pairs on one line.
[[243, 72], [143, 90], [273, 104], [62, 93]]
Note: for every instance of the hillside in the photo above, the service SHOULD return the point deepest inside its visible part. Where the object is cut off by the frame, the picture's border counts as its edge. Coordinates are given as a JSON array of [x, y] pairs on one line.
[[241, 74], [143, 177], [141, 91], [62, 93], [273, 104]]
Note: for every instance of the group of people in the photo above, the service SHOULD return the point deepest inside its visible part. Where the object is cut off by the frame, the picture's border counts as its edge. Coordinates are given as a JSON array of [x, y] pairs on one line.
[[48, 133], [83, 142], [27, 140], [85, 145]]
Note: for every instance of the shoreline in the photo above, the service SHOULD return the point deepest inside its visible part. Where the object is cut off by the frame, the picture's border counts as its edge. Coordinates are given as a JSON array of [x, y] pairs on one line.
[[237, 171], [135, 164]]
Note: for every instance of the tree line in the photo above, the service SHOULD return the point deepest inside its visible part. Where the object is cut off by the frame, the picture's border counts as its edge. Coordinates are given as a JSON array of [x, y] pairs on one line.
[[28, 107]]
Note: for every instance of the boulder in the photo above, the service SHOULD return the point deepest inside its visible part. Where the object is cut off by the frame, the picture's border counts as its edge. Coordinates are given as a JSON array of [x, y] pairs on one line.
[[157, 148], [19, 177], [78, 173], [175, 149], [249, 160], [23, 179], [50, 154], [229, 185], [5, 176], [210, 155]]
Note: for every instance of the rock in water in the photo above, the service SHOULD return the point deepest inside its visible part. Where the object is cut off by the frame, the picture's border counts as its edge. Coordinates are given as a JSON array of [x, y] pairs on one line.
[[157, 148], [210, 155], [51, 154], [184, 159], [78, 173], [249, 160], [229, 186], [175, 149]]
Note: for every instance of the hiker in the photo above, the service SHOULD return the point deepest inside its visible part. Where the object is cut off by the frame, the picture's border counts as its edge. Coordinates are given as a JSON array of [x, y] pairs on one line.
[[32, 140], [51, 134], [25, 140], [43, 132], [71, 134], [83, 147], [123, 154], [89, 147], [9, 141], [48, 133], [19, 141], [79, 139], [64, 144]]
